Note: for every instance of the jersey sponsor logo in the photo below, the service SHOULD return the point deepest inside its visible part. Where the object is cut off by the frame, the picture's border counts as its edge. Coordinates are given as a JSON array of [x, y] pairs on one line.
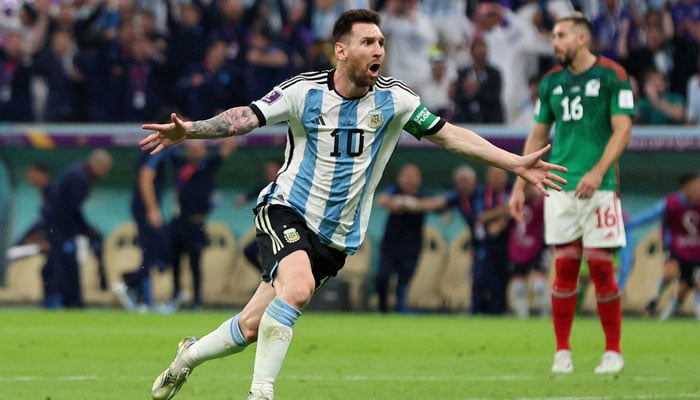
[[272, 97], [291, 235], [593, 88], [558, 90], [375, 119], [625, 99]]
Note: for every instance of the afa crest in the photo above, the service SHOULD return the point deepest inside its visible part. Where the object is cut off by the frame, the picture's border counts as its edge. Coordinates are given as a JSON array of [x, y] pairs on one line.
[[291, 235], [376, 119]]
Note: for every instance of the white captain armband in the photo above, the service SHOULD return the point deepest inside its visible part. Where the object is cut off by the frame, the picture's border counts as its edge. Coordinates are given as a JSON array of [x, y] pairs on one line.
[[423, 123]]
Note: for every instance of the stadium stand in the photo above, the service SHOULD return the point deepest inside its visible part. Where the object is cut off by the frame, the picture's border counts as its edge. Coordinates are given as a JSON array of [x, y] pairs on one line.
[[455, 284], [424, 289]]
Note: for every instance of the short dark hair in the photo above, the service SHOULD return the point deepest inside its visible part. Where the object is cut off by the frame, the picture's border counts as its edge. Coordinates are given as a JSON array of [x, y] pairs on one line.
[[690, 176], [345, 22], [579, 19]]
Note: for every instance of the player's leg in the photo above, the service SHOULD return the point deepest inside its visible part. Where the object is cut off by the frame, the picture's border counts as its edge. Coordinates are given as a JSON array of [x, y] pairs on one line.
[[294, 284], [686, 281], [604, 232], [670, 275], [231, 337], [696, 302], [563, 230], [196, 246], [407, 266], [383, 277], [521, 301], [567, 261]]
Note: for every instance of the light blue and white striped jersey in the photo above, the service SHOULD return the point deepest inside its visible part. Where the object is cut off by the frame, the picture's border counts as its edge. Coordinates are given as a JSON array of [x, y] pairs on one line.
[[337, 149]]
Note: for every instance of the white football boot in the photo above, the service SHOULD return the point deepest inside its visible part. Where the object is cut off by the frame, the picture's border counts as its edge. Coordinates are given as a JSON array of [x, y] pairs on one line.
[[612, 363], [562, 362], [171, 380]]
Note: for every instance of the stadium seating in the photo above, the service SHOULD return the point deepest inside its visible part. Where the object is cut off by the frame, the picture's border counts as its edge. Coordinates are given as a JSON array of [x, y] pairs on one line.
[[456, 282], [23, 284], [355, 273], [121, 253], [245, 276], [424, 290]]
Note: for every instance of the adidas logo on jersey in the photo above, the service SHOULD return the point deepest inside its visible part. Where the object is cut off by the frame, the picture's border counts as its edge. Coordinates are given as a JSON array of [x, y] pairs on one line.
[[558, 90]]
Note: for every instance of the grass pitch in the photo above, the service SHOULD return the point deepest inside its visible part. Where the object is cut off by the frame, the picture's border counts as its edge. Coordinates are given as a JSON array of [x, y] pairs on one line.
[[109, 354]]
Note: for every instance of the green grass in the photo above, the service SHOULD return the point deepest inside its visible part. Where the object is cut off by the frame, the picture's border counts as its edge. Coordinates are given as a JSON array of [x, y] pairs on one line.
[[100, 354]]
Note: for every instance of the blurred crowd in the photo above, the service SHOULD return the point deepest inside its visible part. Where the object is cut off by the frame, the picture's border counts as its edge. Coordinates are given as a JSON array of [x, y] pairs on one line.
[[471, 61]]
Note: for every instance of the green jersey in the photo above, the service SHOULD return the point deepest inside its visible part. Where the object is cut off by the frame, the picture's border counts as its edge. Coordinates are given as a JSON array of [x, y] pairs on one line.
[[581, 106]]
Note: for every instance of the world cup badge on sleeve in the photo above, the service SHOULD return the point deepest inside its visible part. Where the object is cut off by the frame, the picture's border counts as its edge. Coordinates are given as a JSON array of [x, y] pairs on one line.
[[376, 119]]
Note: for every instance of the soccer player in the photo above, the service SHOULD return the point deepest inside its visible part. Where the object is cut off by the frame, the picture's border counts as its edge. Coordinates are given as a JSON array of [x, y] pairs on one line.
[[344, 124], [589, 99], [680, 212]]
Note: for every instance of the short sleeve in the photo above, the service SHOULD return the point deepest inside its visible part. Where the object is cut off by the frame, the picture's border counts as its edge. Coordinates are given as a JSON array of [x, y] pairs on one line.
[[622, 101], [274, 107], [543, 111]]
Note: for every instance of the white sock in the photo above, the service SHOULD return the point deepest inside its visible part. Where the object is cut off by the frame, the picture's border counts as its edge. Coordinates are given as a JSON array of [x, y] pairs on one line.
[[542, 297], [521, 303], [225, 340], [274, 337]]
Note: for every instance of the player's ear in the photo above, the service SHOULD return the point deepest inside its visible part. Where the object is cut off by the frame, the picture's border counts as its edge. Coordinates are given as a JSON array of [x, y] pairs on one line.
[[340, 51]]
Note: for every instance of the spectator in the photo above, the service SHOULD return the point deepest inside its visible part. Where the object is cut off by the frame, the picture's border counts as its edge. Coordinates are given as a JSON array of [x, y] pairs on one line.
[[62, 76], [195, 171], [324, 13], [477, 96], [266, 60], [528, 256], [209, 86], [63, 216], [16, 104], [410, 37], [655, 54], [684, 14], [453, 27], [519, 48], [614, 30], [187, 36], [134, 291], [141, 81], [438, 92], [407, 204], [680, 215], [526, 112], [296, 37], [229, 21], [693, 97], [464, 196], [659, 106], [687, 51]]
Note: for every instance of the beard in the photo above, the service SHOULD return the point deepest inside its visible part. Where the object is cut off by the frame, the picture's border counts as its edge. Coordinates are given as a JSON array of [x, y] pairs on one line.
[[565, 59], [359, 76]]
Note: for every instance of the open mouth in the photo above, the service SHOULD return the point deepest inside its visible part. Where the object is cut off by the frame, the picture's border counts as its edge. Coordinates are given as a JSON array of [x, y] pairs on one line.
[[374, 69]]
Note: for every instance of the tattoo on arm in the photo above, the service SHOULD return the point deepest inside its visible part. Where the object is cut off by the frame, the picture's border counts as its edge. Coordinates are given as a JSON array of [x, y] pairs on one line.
[[232, 122]]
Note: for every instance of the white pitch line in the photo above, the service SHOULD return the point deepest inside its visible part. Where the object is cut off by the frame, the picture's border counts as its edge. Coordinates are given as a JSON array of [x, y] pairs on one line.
[[47, 378]]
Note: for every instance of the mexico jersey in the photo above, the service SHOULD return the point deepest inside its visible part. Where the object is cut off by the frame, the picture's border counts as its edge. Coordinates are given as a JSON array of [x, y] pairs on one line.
[[581, 107], [337, 149]]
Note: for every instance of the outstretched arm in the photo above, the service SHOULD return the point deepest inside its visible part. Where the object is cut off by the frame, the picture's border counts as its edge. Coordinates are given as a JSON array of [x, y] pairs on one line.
[[232, 122], [530, 167]]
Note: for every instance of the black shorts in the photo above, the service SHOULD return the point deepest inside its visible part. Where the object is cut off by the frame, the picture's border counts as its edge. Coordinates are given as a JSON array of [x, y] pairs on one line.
[[689, 270], [540, 264], [281, 231]]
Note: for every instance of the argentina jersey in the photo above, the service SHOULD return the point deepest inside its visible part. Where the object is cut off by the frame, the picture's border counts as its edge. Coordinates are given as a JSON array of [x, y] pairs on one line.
[[336, 151]]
